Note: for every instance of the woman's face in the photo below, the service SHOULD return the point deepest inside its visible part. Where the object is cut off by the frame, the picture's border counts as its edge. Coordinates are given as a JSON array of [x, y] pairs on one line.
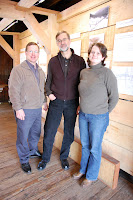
[[95, 56]]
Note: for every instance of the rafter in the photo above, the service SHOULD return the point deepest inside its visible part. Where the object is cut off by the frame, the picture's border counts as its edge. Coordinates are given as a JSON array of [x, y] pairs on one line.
[[43, 11], [12, 10], [23, 11], [8, 10], [25, 3], [9, 33], [34, 9], [35, 28]]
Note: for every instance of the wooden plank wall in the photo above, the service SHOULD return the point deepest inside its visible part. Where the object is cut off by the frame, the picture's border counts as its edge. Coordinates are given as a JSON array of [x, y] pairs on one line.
[[118, 138]]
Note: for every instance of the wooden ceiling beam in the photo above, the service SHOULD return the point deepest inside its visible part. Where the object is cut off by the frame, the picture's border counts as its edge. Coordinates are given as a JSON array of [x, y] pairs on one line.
[[9, 33], [79, 8], [8, 2], [26, 3], [6, 47], [11, 10], [37, 10], [43, 11], [6, 21], [36, 30], [8, 10]]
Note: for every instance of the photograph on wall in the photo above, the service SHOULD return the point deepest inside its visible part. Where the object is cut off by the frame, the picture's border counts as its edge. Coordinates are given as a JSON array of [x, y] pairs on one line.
[[76, 46], [42, 57], [124, 23], [123, 47], [22, 57], [96, 39], [42, 61], [75, 35], [124, 77], [99, 19]]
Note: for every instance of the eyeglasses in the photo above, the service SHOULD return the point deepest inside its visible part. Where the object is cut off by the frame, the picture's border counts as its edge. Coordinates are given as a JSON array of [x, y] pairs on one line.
[[33, 52], [63, 40]]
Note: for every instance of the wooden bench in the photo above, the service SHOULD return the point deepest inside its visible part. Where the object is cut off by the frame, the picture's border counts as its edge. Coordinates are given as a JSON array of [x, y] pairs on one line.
[[109, 170]]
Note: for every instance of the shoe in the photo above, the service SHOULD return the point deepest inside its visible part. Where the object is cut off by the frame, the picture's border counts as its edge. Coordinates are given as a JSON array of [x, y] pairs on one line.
[[65, 164], [36, 154], [86, 183], [77, 175], [41, 165], [26, 167]]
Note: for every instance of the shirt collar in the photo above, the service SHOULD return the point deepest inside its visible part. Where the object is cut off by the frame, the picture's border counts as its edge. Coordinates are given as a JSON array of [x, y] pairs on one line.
[[98, 66], [30, 65], [59, 54]]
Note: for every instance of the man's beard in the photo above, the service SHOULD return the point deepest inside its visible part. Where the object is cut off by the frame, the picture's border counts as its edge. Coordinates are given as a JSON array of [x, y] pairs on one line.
[[64, 50]]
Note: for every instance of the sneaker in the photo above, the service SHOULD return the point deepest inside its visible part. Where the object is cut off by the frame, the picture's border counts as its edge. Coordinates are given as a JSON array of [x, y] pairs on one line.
[[65, 164], [41, 165], [26, 167]]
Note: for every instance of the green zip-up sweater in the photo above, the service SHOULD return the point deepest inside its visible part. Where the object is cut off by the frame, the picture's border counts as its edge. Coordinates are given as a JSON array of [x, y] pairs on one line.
[[97, 90]]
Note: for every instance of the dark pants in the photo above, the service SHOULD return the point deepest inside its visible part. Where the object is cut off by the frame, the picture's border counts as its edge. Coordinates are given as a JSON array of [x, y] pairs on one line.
[[28, 129], [54, 115]]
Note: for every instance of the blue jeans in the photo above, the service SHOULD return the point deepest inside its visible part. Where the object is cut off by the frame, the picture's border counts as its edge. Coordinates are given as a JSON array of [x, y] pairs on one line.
[[54, 115], [92, 128], [28, 129]]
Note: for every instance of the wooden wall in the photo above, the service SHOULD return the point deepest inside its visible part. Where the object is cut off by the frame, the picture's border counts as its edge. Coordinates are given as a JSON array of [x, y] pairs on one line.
[[118, 138]]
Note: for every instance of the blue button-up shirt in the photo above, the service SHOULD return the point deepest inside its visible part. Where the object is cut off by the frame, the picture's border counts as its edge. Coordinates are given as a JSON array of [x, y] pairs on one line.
[[34, 70]]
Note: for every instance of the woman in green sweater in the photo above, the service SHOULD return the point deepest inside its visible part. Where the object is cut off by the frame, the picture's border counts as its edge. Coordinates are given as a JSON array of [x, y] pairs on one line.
[[98, 96]]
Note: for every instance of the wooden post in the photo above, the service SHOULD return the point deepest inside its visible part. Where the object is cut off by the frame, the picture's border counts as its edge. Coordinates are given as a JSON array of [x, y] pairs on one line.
[[53, 28], [16, 47]]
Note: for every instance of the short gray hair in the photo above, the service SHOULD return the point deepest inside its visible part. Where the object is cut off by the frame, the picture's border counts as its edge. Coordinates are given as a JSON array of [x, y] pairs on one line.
[[60, 32]]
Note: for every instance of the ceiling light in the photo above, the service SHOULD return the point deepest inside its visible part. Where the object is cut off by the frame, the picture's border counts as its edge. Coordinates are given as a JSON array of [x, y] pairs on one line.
[[40, 1], [10, 25]]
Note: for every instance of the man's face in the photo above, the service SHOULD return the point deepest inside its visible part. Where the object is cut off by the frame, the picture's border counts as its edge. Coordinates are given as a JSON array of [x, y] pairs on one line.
[[32, 54], [63, 42]]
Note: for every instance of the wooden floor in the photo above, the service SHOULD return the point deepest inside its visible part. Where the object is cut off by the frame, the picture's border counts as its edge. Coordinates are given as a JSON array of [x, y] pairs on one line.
[[52, 183]]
